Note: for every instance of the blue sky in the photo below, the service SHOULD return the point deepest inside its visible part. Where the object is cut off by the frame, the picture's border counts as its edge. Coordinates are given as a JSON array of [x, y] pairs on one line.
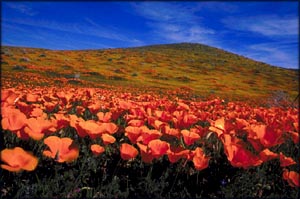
[[264, 31]]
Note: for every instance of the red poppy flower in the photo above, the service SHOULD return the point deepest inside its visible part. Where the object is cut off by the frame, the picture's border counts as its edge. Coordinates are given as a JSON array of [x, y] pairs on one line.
[[17, 159], [292, 177], [200, 160], [61, 149], [128, 152], [97, 149]]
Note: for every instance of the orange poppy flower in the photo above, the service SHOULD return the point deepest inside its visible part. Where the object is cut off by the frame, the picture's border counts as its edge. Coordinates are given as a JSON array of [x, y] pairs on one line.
[[189, 119], [189, 137], [17, 159], [8, 96], [108, 139], [61, 120], [104, 117], [267, 155], [285, 161], [24, 107], [110, 128], [97, 149], [200, 160], [256, 144], [148, 135], [269, 136], [95, 107], [37, 112], [89, 127], [182, 106], [172, 131], [36, 127], [145, 153], [74, 120], [62, 149], [237, 155], [163, 115], [157, 124], [158, 148], [128, 152], [50, 106], [133, 133], [125, 105], [136, 123], [292, 177], [176, 153], [13, 119], [80, 110], [65, 97], [32, 97], [218, 126]]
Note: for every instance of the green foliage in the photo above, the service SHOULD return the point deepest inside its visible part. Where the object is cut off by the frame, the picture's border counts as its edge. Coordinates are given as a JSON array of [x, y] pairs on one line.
[[107, 176], [205, 69]]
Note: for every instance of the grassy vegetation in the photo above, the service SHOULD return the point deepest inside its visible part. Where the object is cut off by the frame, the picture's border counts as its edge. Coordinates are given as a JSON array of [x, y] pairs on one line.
[[202, 68]]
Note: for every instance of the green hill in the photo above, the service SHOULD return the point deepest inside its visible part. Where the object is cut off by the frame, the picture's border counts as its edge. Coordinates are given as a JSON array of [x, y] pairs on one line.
[[202, 69]]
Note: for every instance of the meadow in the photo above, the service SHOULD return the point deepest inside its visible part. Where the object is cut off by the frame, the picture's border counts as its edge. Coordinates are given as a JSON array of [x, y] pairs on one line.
[[149, 122]]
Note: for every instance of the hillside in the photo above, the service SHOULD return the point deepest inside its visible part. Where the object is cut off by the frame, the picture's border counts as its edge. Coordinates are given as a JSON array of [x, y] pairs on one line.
[[199, 68]]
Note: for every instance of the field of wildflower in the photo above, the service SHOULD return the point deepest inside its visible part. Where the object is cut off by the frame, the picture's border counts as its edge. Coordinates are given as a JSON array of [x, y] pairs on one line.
[[104, 143]]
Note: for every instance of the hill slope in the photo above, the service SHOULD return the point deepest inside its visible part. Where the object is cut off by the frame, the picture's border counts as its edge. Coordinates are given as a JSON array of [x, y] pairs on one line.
[[203, 69]]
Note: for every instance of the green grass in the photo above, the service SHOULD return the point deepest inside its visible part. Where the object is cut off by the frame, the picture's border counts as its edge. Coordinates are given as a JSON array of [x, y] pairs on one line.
[[200, 67]]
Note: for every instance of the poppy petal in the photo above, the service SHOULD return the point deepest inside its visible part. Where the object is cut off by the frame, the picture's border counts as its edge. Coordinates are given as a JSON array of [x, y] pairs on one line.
[[128, 151]]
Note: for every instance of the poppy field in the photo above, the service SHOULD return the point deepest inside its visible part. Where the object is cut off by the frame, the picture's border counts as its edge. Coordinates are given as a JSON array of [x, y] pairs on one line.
[[66, 142], [164, 121]]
